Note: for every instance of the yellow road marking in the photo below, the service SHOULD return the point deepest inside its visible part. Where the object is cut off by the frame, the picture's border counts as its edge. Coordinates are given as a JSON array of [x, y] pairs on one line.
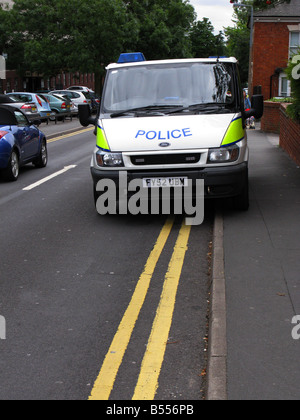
[[70, 135], [106, 378], [151, 366]]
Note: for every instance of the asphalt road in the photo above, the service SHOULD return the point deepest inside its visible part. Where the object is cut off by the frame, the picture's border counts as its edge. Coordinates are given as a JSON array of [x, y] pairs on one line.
[[83, 294]]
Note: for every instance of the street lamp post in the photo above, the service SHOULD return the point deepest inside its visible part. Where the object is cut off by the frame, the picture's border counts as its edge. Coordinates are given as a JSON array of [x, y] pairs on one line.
[[251, 19]]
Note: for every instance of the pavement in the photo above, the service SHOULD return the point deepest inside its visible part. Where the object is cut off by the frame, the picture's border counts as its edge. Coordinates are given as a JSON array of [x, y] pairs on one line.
[[256, 284]]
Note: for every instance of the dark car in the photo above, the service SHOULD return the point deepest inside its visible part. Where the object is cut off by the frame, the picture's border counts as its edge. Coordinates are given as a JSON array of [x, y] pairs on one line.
[[20, 143], [95, 101]]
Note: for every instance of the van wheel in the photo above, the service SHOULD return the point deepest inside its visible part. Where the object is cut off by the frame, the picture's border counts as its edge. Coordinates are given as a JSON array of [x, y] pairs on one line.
[[11, 173], [241, 201]]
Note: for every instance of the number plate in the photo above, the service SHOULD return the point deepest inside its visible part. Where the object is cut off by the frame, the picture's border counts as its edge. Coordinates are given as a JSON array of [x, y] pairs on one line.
[[165, 182]]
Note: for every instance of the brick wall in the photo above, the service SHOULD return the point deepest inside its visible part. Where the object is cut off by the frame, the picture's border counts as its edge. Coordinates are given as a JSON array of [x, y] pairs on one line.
[[289, 135], [270, 52], [270, 121]]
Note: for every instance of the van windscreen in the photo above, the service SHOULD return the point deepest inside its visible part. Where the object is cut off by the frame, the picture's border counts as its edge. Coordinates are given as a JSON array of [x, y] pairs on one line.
[[180, 84]]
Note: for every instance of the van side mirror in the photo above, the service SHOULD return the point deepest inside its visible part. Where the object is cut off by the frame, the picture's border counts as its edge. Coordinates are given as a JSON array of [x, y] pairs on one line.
[[85, 115], [257, 107]]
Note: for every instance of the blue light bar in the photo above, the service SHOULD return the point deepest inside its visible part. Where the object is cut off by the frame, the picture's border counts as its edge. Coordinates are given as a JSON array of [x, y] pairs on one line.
[[131, 57]]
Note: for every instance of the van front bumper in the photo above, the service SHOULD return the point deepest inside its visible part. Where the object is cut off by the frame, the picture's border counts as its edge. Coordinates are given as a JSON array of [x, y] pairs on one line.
[[219, 182]]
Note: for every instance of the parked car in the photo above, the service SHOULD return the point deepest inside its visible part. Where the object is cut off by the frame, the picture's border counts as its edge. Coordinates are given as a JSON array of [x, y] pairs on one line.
[[29, 108], [95, 101], [43, 106], [60, 106], [20, 143], [78, 98], [80, 88]]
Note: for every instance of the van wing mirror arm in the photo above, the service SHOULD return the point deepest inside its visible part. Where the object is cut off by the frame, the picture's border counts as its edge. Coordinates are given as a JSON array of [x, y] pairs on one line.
[[85, 115]]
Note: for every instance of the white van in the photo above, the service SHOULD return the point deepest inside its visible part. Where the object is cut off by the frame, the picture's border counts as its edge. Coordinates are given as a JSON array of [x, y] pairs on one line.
[[174, 120]]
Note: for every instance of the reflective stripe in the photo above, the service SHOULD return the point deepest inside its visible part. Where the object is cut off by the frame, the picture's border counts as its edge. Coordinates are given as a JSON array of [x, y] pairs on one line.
[[235, 132], [101, 139]]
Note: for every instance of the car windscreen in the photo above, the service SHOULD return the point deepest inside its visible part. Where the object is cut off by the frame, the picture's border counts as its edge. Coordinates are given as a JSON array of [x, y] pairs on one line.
[[182, 84]]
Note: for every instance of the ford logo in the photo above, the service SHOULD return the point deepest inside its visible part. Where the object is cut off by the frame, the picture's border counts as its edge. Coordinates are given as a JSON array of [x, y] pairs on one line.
[[164, 144]]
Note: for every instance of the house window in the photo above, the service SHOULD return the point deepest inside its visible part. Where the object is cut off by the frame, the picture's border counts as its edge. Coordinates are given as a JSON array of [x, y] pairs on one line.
[[294, 43], [284, 85]]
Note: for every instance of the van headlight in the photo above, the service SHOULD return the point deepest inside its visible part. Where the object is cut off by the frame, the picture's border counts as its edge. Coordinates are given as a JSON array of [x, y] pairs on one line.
[[223, 154], [108, 159]]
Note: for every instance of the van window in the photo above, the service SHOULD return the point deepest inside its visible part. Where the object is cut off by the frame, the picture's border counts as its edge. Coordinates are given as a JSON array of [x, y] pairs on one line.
[[181, 84]]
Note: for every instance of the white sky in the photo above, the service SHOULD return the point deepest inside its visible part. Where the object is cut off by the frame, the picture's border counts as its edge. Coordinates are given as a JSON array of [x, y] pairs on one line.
[[219, 12]]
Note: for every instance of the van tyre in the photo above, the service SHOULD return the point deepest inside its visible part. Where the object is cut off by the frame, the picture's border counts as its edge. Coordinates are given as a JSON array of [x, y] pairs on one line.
[[11, 173]]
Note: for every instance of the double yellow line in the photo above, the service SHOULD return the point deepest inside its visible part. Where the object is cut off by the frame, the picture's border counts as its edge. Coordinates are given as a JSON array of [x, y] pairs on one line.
[[64, 136], [147, 383]]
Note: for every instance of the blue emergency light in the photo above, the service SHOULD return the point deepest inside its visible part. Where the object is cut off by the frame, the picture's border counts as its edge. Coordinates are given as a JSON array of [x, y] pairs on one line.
[[131, 57]]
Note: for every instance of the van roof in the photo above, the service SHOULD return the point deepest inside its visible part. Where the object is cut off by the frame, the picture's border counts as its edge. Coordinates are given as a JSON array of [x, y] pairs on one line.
[[176, 61]]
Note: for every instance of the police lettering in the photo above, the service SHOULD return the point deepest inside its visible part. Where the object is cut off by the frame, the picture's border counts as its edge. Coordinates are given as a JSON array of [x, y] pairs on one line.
[[164, 135]]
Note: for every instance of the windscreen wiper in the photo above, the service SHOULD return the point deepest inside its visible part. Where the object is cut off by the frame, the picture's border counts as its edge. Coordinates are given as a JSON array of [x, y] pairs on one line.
[[203, 108], [153, 109]]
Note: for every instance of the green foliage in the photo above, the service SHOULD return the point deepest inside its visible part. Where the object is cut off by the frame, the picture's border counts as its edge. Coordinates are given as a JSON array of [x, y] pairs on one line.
[[204, 42], [293, 73], [239, 46], [281, 100], [162, 27], [68, 34]]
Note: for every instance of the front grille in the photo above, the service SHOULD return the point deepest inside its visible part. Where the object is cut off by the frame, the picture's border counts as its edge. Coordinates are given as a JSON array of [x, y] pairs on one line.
[[166, 159]]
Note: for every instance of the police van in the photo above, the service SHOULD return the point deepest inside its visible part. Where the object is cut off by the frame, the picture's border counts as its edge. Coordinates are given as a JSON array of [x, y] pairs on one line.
[[170, 121]]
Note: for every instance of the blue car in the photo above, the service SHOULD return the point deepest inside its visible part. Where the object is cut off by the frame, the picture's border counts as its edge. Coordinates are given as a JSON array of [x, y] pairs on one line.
[[20, 143]]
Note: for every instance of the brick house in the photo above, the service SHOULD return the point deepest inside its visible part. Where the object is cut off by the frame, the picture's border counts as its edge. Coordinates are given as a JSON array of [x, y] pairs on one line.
[[276, 36]]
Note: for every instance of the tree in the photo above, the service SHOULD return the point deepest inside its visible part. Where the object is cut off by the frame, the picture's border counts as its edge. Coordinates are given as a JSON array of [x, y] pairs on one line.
[[163, 27], [238, 40], [50, 36], [68, 35], [73, 34], [204, 42]]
